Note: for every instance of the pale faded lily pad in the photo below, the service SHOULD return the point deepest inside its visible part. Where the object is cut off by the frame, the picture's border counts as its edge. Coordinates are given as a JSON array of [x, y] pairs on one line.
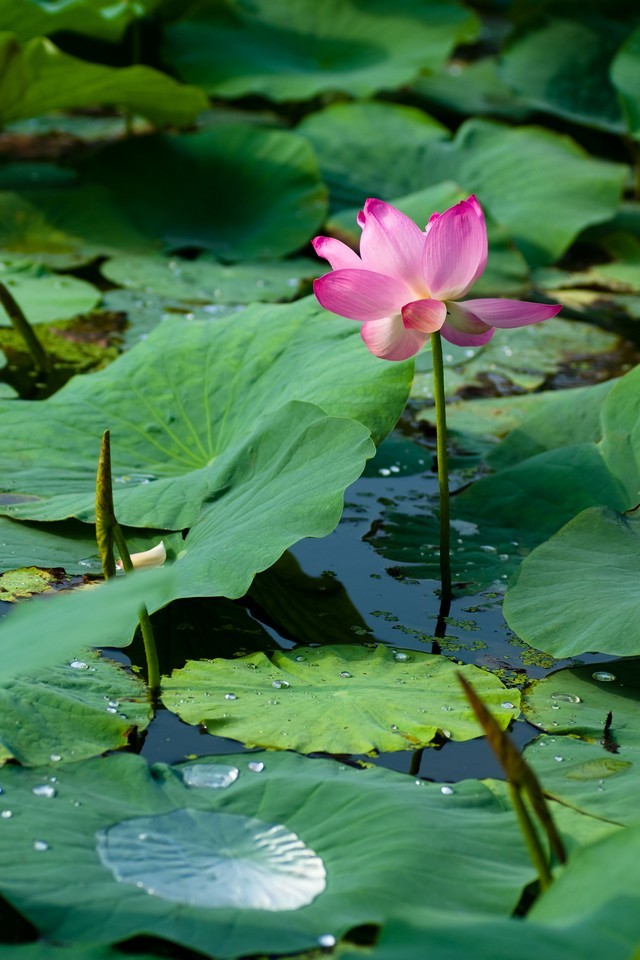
[[44, 296], [207, 281], [202, 388], [333, 810], [75, 710], [264, 49], [335, 699]]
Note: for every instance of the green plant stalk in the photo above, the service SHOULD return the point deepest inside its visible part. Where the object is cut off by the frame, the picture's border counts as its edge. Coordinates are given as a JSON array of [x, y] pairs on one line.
[[531, 837], [151, 653], [109, 530], [24, 328], [443, 469]]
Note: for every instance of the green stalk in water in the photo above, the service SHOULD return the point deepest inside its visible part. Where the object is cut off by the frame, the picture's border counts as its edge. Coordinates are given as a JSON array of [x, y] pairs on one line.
[[108, 532], [24, 328], [443, 468]]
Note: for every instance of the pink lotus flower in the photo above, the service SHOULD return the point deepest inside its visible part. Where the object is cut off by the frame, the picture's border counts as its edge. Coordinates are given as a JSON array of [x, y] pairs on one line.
[[406, 284]]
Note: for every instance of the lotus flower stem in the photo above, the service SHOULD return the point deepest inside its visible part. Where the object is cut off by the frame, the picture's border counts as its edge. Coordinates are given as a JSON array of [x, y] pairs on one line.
[[24, 328], [443, 471], [109, 530]]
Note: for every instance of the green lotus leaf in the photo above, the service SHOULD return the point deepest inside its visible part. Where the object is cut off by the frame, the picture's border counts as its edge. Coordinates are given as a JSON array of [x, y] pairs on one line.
[[38, 77], [295, 49], [36, 634], [207, 281], [625, 73], [584, 578], [360, 843], [75, 710], [472, 88], [181, 398], [50, 951], [561, 66], [69, 545], [335, 699], [240, 191], [587, 778], [542, 187], [44, 296], [576, 701], [104, 19], [375, 149]]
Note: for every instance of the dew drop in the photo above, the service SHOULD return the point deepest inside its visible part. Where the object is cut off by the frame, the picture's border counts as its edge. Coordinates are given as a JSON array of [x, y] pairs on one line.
[[256, 766], [6, 814], [213, 775], [230, 696], [507, 705], [300, 659], [273, 702], [44, 790], [112, 709], [55, 757], [384, 472], [447, 791], [40, 845], [280, 684], [327, 940], [445, 707], [603, 676], [565, 698], [345, 673], [79, 665], [401, 657], [559, 759]]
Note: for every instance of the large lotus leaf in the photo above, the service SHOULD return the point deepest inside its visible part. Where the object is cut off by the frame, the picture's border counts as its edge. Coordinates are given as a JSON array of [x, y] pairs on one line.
[[202, 387], [335, 699], [601, 883], [562, 67], [206, 281], [36, 634], [359, 842], [374, 150], [44, 296], [523, 357], [576, 701], [71, 711], [472, 88], [66, 225], [625, 75], [539, 185], [577, 592], [286, 483], [296, 49], [104, 19], [621, 434], [69, 545], [50, 951], [39, 77], [584, 776], [238, 190]]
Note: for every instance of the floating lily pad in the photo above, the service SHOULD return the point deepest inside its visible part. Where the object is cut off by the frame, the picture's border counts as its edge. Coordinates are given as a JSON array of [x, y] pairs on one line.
[[43, 296], [561, 66], [264, 49], [72, 711], [577, 700], [625, 73], [335, 699], [473, 88], [334, 811], [522, 358], [206, 281], [584, 580], [588, 778], [203, 387], [18, 584], [94, 18], [39, 77]]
